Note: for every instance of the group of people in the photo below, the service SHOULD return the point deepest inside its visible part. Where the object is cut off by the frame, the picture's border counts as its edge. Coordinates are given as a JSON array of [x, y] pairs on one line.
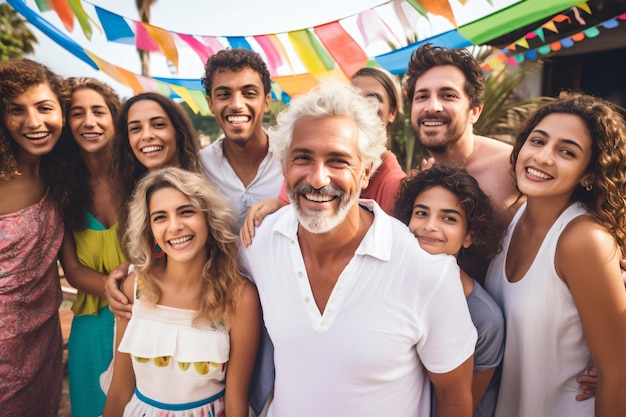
[[300, 271]]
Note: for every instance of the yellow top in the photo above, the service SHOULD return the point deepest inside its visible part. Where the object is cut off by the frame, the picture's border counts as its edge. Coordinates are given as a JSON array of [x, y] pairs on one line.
[[99, 249]]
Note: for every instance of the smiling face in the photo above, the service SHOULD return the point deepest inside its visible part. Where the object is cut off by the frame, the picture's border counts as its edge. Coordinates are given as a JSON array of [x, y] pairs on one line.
[[371, 88], [324, 173], [555, 157], [440, 112], [238, 102], [152, 135], [178, 227], [34, 119], [90, 120], [439, 222]]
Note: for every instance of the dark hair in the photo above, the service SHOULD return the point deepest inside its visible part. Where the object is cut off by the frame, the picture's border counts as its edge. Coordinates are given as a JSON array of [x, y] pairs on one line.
[[427, 56], [127, 170], [483, 224], [82, 194], [388, 81], [235, 60], [15, 78], [607, 198]]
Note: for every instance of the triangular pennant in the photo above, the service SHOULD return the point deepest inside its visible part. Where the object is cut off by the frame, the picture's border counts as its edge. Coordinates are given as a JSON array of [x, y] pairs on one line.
[[115, 27], [584, 6], [439, 8], [64, 11], [143, 40], [213, 43], [82, 17], [203, 51], [238, 42], [343, 48], [301, 42], [131, 80], [272, 53], [374, 28], [165, 41], [43, 5], [522, 42], [109, 69], [539, 32], [551, 26], [184, 94]]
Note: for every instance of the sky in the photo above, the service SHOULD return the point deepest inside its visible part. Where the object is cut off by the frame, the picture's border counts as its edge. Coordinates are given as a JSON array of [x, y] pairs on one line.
[[217, 18], [233, 18]]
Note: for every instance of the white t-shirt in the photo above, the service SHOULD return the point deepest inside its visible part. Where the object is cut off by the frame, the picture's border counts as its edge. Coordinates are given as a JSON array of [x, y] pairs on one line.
[[265, 185], [394, 308]]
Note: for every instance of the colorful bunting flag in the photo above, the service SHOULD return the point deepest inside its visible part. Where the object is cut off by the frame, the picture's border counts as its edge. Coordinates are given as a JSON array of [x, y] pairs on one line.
[[115, 27], [326, 50]]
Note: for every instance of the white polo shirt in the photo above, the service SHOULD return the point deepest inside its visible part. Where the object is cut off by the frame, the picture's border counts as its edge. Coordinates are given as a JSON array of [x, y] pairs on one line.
[[265, 185], [394, 308]]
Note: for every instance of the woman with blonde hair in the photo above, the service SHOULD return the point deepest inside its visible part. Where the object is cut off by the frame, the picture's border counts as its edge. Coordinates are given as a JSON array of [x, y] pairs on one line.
[[191, 343]]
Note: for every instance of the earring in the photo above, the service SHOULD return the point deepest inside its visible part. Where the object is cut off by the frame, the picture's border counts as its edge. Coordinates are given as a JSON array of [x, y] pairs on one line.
[[157, 252], [588, 187]]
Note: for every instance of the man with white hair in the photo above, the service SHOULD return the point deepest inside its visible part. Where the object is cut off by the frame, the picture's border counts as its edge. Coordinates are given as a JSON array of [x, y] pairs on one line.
[[360, 316]]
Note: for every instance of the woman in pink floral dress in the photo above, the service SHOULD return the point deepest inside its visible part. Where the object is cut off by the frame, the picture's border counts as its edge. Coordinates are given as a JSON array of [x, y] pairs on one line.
[[32, 104]]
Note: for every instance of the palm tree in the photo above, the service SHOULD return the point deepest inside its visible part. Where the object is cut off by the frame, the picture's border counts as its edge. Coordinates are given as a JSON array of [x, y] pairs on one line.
[[15, 36], [503, 111], [143, 7]]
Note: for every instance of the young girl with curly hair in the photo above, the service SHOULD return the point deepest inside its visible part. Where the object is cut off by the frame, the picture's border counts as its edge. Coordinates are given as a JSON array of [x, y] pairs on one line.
[[190, 346], [449, 214], [558, 278]]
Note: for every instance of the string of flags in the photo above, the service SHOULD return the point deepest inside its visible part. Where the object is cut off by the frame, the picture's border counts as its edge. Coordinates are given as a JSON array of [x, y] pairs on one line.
[[298, 59]]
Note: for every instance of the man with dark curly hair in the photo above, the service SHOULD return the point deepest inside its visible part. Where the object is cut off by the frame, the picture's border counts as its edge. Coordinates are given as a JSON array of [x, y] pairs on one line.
[[240, 164], [446, 89]]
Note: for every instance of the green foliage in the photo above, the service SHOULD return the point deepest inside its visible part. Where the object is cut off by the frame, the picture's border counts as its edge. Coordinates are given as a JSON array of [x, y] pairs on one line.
[[503, 111], [16, 39]]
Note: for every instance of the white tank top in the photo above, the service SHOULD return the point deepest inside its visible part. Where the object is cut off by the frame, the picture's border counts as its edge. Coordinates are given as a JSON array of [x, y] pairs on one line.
[[544, 349]]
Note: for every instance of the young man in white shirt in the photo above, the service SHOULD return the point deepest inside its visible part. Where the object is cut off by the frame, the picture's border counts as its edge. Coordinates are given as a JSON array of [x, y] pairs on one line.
[[240, 163]]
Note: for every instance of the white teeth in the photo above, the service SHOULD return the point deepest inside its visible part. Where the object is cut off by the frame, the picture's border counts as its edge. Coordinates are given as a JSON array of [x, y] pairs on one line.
[[433, 123], [319, 198], [180, 240], [237, 119], [90, 135], [35, 136], [148, 149], [537, 174]]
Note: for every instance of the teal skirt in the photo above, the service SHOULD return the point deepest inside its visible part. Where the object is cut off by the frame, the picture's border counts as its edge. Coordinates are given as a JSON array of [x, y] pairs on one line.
[[89, 352]]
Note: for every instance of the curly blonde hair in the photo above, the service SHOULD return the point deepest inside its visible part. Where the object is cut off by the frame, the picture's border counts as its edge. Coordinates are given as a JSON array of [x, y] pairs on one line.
[[222, 280], [607, 128]]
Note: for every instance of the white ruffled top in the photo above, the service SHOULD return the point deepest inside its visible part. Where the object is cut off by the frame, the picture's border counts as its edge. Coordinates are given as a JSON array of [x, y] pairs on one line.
[[175, 362]]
